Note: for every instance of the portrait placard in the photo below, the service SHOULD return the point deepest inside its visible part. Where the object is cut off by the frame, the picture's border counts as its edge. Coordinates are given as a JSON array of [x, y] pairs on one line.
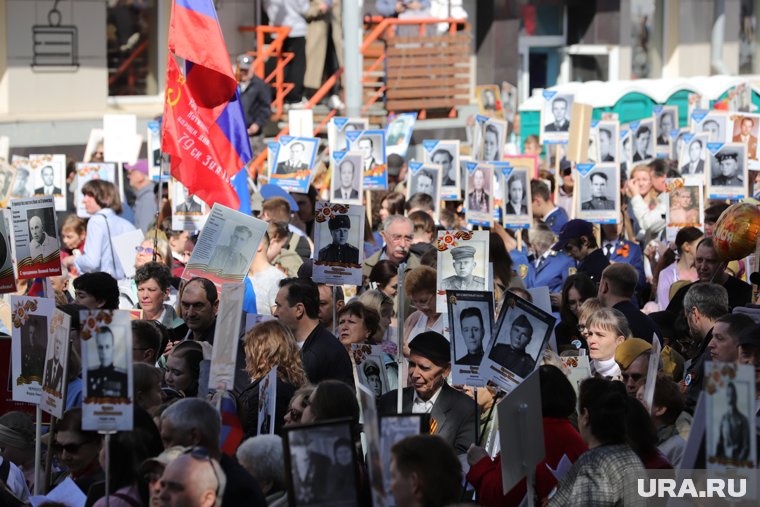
[[338, 243], [605, 134], [517, 345], [226, 337], [371, 430], [370, 368], [579, 369], [49, 177], [347, 181], [740, 98], [121, 142], [398, 133], [445, 154], [555, 117], [694, 160], [22, 184], [643, 141], [107, 370], [745, 130], [371, 144], [7, 177], [292, 161], [516, 197], [462, 263], [7, 278], [267, 400], [5, 146], [677, 146], [251, 319], [490, 138], [189, 213], [727, 175], [509, 100], [154, 150], [31, 319], [35, 236], [625, 152], [393, 429], [93, 152], [730, 407], [225, 247], [489, 101], [666, 119], [320, 465], [425, 178], [712, 123], [87, 172], [337, 128], [125, 247], [479, 192], [598, 196], [685, 206], [753, 185], [56, 364], [471, 324], [301, 122]]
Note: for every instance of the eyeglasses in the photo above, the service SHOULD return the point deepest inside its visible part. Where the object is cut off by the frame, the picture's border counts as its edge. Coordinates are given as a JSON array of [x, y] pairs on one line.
[[201, 453], [146, 250], [69, 448]]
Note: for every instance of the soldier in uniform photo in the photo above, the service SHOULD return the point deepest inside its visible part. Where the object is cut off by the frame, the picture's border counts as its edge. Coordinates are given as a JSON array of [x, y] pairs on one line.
[[189, 205], [471, 323], [295, 162], [372, 373], [229, 259], [477, 200], [513, 356], [729, 173], [346, 190], [464, 264], [106, 380], [733, 440], [339, 250], [559, 110], [397, 132], [47, 188], [695, 165], [598, 199], [54, 368], [40, 243], [745, 136], [20, 188], [33, 344]]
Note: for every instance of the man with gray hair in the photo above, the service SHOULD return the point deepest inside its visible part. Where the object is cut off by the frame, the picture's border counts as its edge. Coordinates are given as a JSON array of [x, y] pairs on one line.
[[262, 457], [703, 304], [398, 233], [41, 244], [193, 422], [192, 480]]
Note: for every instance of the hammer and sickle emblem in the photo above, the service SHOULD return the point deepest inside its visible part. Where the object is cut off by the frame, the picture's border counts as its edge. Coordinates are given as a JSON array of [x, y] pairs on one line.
[[170, 92]]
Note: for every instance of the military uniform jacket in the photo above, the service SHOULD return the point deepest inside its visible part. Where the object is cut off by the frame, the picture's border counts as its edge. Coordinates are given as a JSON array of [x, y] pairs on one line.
[[598, 203], [553, 271], [339, 253], [456, 283], [556, 219], [516, 361], [727, 181], [106, 381]]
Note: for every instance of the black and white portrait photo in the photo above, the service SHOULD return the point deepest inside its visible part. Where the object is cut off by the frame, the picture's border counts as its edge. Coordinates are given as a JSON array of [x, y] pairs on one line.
[[54, 362], [493, 136], [339, 250], [234, 256], [516, 190], [479, 193], [489, 101], [715, 126], [320, 465], [462, 263], [557, 114], [600, 188], [371, 145], [445, 154], [29, 319], [470, 322], [107, 363], [347, 177], [643, 141], [667, 120], [338, 243], [22, 185], [7, 174], [33, 345], [678, 144], [694, 155], [337, 128], [372, 373], [606, 141], [266, 405], [424, 179], [43, 241], [730, 169], [46, 181], [184, 201], [292, 158], [48, 177]]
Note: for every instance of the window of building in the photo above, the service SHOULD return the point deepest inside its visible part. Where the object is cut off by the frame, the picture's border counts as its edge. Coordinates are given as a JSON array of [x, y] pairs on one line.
[[132, 47]]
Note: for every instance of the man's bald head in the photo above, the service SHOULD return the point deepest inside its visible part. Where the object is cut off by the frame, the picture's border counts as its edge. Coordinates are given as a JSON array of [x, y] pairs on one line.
[[35, 228], [193, 482]]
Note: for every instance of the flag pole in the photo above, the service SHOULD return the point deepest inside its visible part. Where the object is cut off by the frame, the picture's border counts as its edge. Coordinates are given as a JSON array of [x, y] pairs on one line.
[[159, 198], [400, 338]]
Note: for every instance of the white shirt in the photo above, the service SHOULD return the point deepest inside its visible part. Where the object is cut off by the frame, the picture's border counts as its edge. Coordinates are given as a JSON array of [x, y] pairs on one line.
[[420, 406], [265, 285]]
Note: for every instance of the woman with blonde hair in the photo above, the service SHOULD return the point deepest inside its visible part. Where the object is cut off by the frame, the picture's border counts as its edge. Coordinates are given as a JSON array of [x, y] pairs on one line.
[[383, 305], [647, 204], [267, 345], [606, 328]]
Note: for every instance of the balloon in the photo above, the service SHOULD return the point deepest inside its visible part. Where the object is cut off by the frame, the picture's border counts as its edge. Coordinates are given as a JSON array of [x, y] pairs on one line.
[[736, 231]]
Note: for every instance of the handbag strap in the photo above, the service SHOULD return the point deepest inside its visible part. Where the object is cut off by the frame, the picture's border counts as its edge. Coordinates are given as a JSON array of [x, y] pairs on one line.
[[110, 245]]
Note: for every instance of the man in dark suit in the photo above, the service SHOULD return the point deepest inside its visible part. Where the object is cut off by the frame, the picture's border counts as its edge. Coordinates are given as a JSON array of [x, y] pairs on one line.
[[339, 250], [512, 356], [366, 146], [295, 162], [106, 381], [616, 290], [54, 368], [47, 188], [665, 126], [605, 145], [471, 324], [559, 110], [451, 414], [695, 165], [745, 136], [346, 190], [643, 136], [598, 199]]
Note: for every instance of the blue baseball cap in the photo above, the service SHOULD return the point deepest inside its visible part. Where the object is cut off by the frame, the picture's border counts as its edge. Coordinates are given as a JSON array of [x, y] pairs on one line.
[[573, 229], [269, 190]]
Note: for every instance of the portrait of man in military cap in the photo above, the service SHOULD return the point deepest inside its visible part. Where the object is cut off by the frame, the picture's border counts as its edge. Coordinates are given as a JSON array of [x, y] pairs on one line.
[[510, 351], [729, 172], [339, 250], [104, 379], [372, 373], [464, 264]]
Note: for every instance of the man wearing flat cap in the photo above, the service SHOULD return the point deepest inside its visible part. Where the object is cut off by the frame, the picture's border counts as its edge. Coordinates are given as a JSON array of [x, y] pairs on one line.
[[372, 374], [512, 356], [730, 174], [451, 415], [339, 250], [633, 358], [464, 264]]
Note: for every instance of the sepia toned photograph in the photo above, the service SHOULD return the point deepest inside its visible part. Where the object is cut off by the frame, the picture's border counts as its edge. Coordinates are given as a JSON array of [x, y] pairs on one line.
[[479, 194]]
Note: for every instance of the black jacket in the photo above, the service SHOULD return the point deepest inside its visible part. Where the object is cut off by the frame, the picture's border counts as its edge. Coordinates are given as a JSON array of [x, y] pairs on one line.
[[257, 103], [593, 265], [739, 294], [642, 326], [248, 406], [242, 490], [324, 357]]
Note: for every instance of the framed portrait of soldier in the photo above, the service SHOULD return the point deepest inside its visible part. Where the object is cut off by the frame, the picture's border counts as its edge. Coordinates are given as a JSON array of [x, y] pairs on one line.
[[35, 233], [371, 144], [489, 101], [398, 133], [712, 123], [727, 176], [446, 154], [516, 198], [7, 177], [56, 364], [694, 160], [517, 344], [337, 128], [490, 138], [479, 194], [462, 263], [338, 243], [425, 178], [189, 213], [685, 206], [643, 141], [470, 316], [555, 117], [30, 318], [292, 161], [745, 130], [730, 407], [320, 465], [369, 365], [606, 134], [88, 172], [106, 370], [226, 246], [666, 118], [49, 177], [346, 182], [267, 401], [393, 429], [598, 192], [676, 147]]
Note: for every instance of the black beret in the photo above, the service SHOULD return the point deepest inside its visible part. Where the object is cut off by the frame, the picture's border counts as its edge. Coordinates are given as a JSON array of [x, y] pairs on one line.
[[431, 345], [339, 222]]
